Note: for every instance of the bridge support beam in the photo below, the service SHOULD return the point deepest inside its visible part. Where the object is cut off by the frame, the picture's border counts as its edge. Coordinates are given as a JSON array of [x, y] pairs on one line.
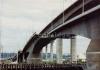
[[93, 55], [73, 49], [59, 50], [51, 51], [46, 52]]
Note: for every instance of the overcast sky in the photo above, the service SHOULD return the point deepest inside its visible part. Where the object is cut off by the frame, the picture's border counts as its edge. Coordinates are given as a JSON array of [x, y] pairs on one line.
[[19, 19]]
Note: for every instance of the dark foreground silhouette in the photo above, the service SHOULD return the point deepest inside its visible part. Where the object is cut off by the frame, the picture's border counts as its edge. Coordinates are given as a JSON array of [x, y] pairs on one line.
[[40, 67]]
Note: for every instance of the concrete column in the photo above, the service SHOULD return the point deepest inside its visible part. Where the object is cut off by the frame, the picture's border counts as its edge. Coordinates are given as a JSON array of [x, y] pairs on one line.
[[93, 55], [30, 56], [51, 51], [59, 50], [73, 49], [20, 57], [33, 57], [23, 59], [46, 52]]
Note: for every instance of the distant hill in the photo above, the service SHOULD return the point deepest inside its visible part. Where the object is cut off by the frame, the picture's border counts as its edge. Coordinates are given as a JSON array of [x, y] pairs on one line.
[[6, 55]]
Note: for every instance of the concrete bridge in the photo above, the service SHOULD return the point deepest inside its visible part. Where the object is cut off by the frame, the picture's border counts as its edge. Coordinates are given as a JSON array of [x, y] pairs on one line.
[[82, 18]]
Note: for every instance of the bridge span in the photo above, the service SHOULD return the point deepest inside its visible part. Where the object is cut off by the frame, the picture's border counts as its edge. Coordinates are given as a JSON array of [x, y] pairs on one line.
[[81, 18]]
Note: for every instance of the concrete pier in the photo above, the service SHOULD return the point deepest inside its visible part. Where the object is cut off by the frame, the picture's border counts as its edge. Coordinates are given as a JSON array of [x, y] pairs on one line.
[[51, 51], [33, 58], [46, 49], [93, 55], [59, 50], [73, 49]]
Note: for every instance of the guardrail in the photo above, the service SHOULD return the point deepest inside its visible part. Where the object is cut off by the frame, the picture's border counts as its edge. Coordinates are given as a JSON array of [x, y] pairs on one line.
[[39, 67]]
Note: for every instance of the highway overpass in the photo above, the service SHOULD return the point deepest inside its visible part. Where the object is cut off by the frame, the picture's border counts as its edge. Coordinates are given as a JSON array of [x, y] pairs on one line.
[[82, 18]]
